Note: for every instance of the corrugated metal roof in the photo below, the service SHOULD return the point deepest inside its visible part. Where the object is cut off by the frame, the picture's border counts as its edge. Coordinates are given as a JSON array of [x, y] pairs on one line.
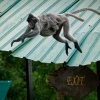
[[46, 49]]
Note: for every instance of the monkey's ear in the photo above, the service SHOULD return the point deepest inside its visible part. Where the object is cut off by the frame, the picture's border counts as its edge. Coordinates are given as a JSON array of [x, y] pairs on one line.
[[30, 15], [32, 18]]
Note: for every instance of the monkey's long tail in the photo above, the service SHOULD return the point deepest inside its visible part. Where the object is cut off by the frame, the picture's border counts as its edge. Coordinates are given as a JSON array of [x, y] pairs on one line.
[[72, 15], [85, 9]]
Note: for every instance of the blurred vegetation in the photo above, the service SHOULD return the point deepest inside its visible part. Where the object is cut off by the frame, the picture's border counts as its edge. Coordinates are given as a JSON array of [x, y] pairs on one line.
[[13, 69]]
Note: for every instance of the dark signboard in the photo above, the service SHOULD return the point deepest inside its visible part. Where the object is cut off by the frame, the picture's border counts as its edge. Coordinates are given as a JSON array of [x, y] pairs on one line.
[[74, 81]]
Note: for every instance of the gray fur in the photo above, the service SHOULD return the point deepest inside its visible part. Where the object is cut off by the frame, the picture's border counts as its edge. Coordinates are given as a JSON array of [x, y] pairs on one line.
[[85, 9], [51, 24]]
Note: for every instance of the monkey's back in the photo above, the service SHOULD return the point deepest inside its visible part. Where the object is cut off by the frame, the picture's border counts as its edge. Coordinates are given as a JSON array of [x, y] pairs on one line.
[[49, 24]]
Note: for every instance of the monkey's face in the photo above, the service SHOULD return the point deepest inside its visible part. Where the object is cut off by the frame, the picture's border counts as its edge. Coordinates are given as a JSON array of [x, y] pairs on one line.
[[32, 20]]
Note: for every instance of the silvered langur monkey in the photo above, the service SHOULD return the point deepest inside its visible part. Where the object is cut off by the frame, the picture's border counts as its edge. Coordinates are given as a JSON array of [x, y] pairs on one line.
[[51, 24]]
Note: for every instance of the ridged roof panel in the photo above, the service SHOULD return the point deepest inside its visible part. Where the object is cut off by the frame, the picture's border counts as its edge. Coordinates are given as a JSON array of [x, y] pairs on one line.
[[46, 49]]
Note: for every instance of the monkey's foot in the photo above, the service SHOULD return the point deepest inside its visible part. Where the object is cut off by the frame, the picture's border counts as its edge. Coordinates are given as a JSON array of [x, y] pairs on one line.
[[67, 47], [23, 40], [12, 43], [77, 47]]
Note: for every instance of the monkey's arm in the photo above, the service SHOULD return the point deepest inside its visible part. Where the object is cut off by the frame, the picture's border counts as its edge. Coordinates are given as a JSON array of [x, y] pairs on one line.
[[28, 33], [31, 34], [32, 20], [21, 37]]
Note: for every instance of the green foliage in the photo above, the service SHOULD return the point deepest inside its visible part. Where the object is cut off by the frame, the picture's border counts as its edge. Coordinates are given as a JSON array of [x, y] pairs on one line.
[[42, 89], [13, 69]]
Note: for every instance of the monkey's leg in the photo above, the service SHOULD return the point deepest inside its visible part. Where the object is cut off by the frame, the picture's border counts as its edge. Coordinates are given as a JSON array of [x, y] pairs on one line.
[[58, 38], [77, 46], [70, 38]]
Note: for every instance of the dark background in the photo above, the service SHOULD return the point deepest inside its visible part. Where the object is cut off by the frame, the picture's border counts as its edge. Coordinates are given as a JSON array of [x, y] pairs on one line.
[[14, 69]]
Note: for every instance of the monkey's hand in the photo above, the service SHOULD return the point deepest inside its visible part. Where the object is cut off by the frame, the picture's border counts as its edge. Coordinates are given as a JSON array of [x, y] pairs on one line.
[[77, 46], [17, 40], [67, 47], [12, 42]]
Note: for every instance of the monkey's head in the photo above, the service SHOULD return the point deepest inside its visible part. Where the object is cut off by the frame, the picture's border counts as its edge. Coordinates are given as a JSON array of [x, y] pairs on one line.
[[32, 20]]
